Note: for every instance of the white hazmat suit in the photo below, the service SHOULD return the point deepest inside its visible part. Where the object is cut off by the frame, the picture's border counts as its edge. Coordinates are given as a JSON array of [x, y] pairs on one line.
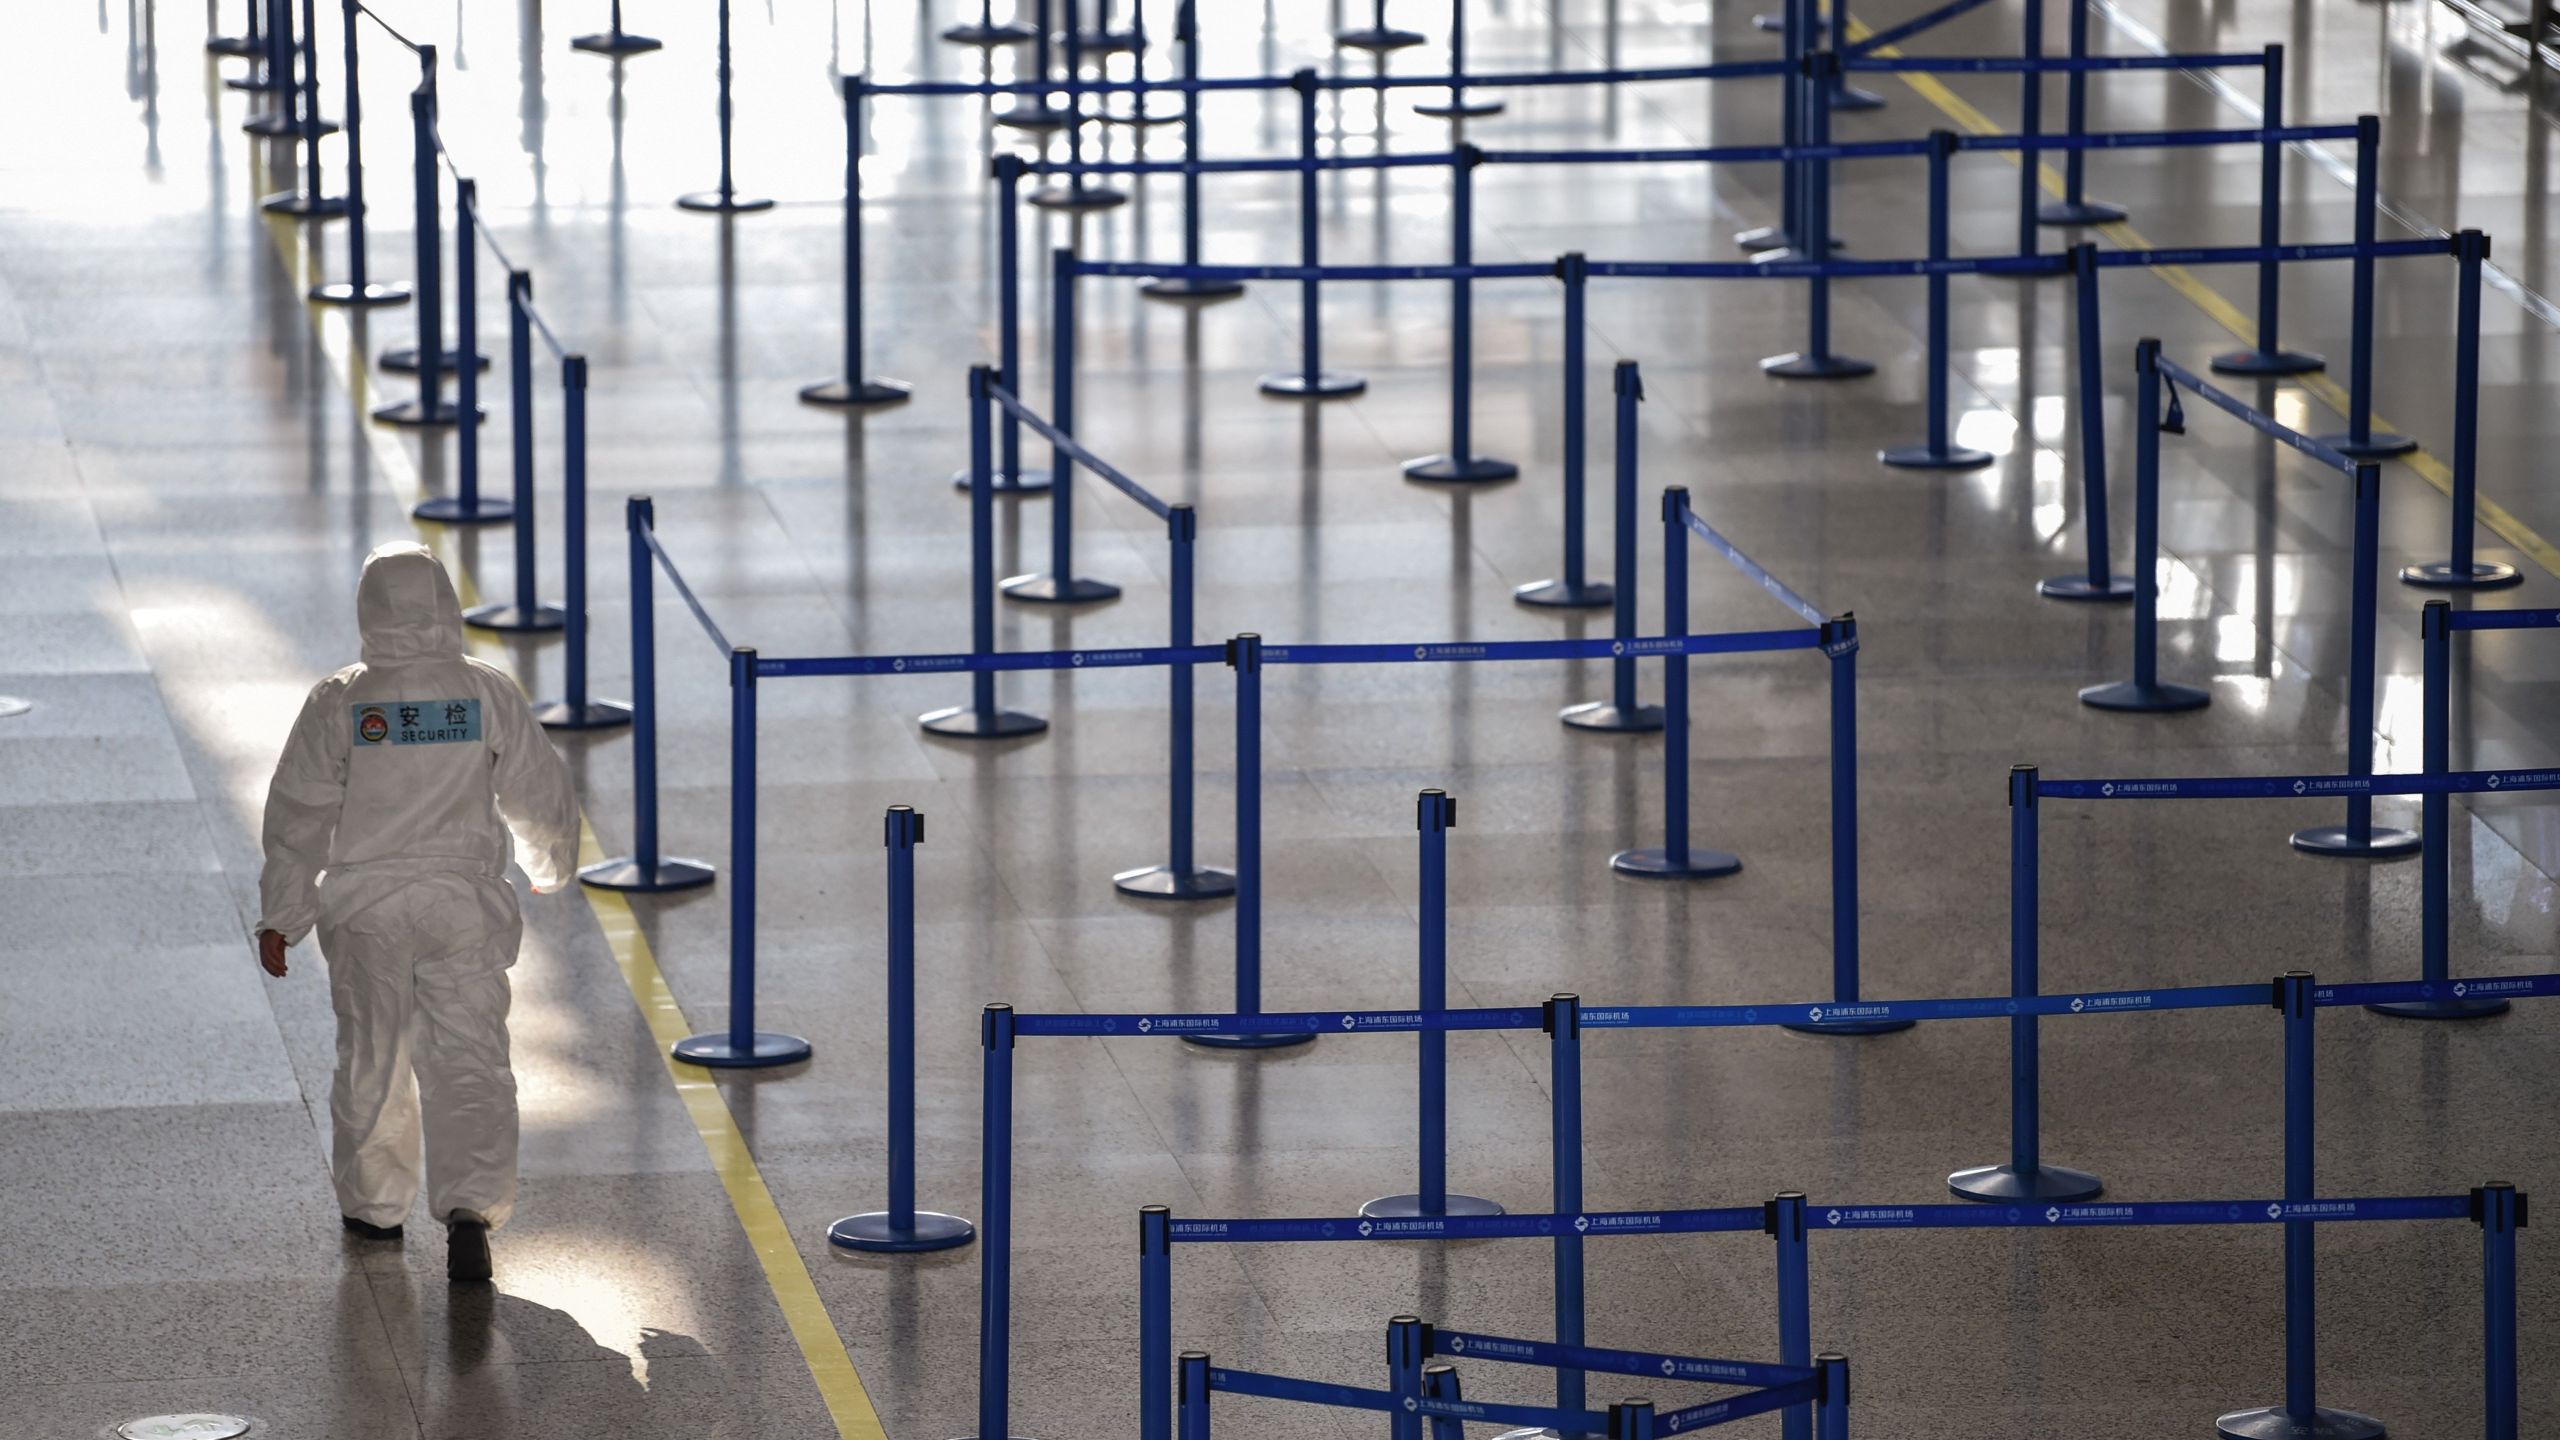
[[387, 827]]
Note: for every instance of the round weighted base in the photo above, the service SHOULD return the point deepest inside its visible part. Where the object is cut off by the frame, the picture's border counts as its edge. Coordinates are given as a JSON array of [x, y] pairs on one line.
[[1248, 1042], [963, 722], [1163, 882], [253, 81], [1460, 469], [1140, 118], [1850, 97], [856, 394], [615, 45], [426, 412], [2086, 212], [2277, 1423], [404, 361], [305, 206], [2001, 1184], [988, 36], [2382, 842], [2128, 695], [1050, 590], [2254, 361], [593, 715], [1409, 1207], [712, 202], [766, 1048], [1850, 1027], [1777, 24], [515, 619], [1078, 198], [450, 510], [1457, 109], [2478, 575], [1922, 457], [1183, 287], [1032, 117], [1691, 864], [1787, 252], [339, 292], [1603, 715], [874, 1233], [11, 707], [1378, 39], [1797, 365], [1107, 42], [627, 874], [1565, 595], [2441, 1009], [272, 126], [233, 45], [2381, 445], [1767, 237], [1003, 484], [2078, 586], [1323, 385]]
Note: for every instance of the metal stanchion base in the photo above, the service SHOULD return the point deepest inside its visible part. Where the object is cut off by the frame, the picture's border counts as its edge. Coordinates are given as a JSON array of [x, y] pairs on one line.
[[1107, 42], [1850, 1027], [1922, 457], [1797, 365], [2078, 586], [253, 82], [2455, 1009], [1850, 97], [627, 874], [1050, 590], [1604, 715], [874, 1232], [2381, 445], [2084, 212], [2127, 695], [1460, 469], [615, 45], [515, 619], [404, 361], [592, 715], [1248, 1042], [11, 706], [1323, 385], [856, 394], [2382, 842], [1776, 24], [1456, 109], [1767, 237], [340, 292], [233, 45], [1787, 252], [766, 1048], [1032, 117], [2001, 1184], [426, 412], [1409, 1207], [1377, 38], [1163, 882], [1014, 484], [1183, 287], [450, 510], [2277, 1423], [2267, 362], [1565, 595], [988, 36], [1692, 864], [963, 722], [305, 206], [2478, 575], [272, 126], [712, 202], [1138, 117], [1078, 197]]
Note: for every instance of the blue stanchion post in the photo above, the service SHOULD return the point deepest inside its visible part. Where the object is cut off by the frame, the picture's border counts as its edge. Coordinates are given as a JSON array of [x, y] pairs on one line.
[[2300, 1415], [854, 387], [1138, 44], [1033, 111], [2096, 580], [2267, 356], [275, 76], [1795, 21], [1070, 192], [1840, 652], [2359, 838], [1573, 590], [1843, 95], [1620, 712], [1815, 361], [308, 200], [358, 288], [1632, 1420], [525, 613], [1435, 814], [2146, 691], [1155, 1323], [466, 505], [1244, 657], [644, 870], [1186, 34], [2075, 207], [1831, 1402], [2359, 440], [1311, 380], [1783, 1219], [1939, 452], [1060, 584], [981, 718], [1008, 478], [1458, 106], [2030, 120], [901, 1229], [573, 710], [427, 358], [2462, 571], [1181, 877], [985, 33], [1677, 859], [1377, 35], [1194, 1380], [742, 1045], [1460, 464], [615, 42], [248, 42], [1101, 39], [995, 1230], [1406, 1349], [2435, 887], [2025, 1176], [1440, 1382], [2500, 1213], [726, 200], [1563, 1024]]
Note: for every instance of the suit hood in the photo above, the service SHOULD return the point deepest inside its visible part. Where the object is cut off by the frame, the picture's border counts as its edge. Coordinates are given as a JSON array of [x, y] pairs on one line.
[[405, 607]]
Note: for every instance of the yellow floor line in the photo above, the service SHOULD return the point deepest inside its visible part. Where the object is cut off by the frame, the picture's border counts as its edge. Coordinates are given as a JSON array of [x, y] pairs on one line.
[[830, 1364], [2500, 521]]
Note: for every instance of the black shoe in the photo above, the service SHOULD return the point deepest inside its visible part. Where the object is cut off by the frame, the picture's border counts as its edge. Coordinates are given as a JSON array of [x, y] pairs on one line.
[[362, 1231], [466, 1251]]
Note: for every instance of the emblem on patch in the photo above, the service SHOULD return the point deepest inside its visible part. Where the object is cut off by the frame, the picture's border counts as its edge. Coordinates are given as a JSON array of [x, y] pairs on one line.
[[372, 726]]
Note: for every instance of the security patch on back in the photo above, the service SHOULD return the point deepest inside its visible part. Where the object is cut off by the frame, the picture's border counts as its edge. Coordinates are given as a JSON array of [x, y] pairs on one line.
[[418, 722]]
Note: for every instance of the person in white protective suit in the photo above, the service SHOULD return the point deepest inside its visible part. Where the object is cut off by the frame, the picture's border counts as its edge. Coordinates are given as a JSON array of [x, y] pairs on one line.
[[387, 828]]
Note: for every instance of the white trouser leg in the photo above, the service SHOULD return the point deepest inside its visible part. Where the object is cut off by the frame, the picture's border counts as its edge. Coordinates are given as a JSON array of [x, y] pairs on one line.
[[373, 1101], [468, 1089]]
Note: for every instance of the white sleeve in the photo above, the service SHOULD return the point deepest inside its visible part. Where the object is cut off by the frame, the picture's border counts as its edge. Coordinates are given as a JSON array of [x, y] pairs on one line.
[[303, 800], [534, 794]]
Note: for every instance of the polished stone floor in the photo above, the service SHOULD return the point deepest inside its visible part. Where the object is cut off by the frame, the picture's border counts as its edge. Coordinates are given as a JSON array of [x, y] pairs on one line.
[[187, 480]]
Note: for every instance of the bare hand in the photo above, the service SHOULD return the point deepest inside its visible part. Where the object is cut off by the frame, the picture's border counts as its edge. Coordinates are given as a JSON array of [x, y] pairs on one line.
[[271, 949]]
